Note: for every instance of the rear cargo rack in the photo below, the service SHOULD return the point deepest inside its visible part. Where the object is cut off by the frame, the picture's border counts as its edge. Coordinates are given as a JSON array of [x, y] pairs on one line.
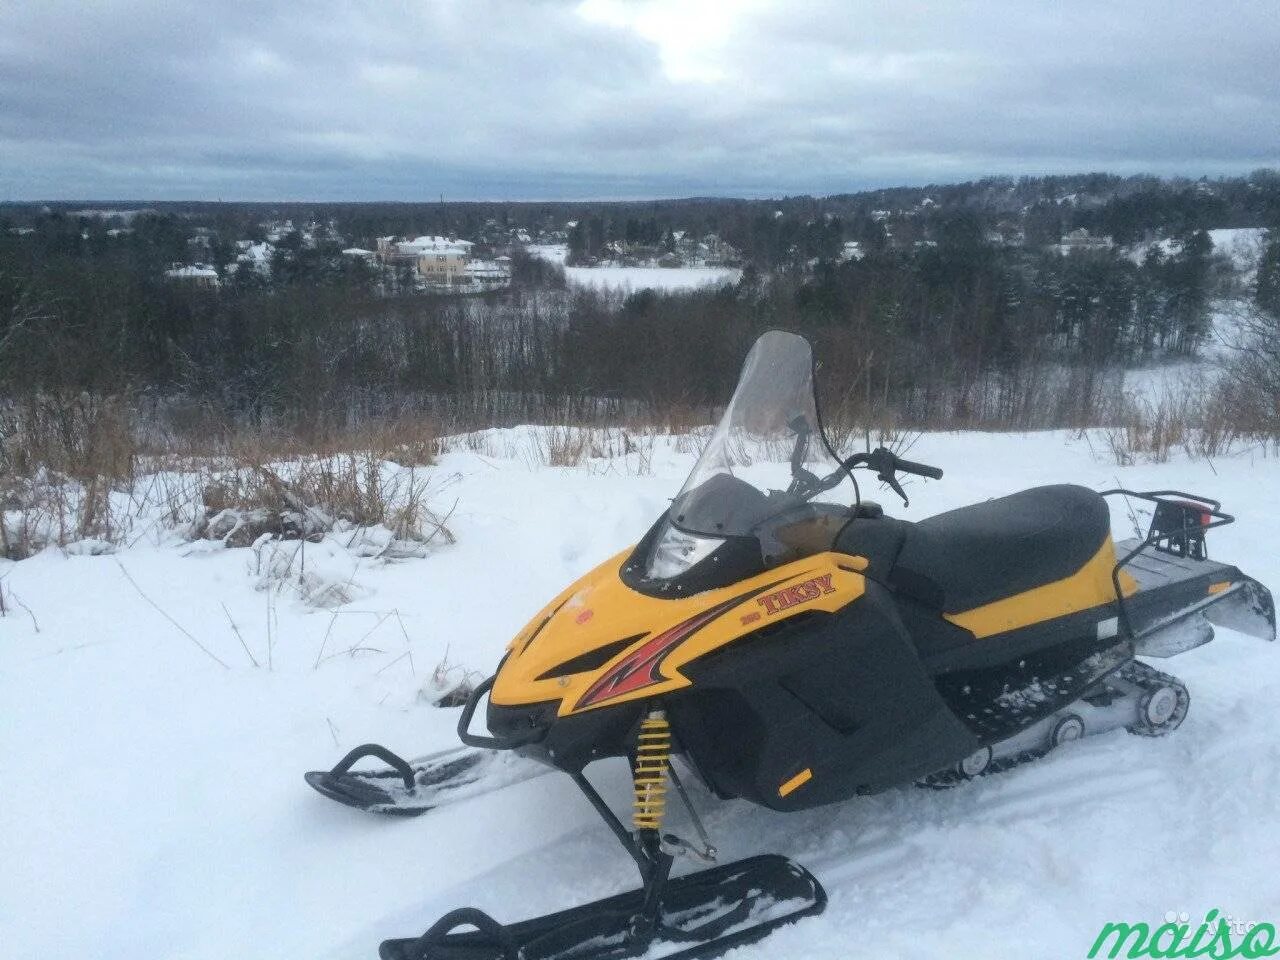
[[1178, 526]]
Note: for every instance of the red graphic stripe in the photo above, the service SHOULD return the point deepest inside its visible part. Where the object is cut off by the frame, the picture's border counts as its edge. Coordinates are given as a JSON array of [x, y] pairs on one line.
[[642, 668]]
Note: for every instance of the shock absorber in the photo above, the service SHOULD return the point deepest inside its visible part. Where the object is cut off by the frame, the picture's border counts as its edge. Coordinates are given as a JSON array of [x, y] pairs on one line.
[[649, 772]]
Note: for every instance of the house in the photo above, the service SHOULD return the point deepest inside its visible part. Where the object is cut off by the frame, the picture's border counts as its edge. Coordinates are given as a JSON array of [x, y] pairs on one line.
[[197, 275], [1082, 239], [715, 252], [393, 250], [489, 274], [358, 253], [257, 255], [277, 230], [438, 260]]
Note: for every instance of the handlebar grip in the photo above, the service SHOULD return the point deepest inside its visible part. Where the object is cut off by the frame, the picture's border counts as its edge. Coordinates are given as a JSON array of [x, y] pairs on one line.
[[920, 469]]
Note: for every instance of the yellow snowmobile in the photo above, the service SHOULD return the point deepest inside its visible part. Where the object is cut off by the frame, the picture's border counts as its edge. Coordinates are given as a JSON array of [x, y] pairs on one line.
[[795, 646]]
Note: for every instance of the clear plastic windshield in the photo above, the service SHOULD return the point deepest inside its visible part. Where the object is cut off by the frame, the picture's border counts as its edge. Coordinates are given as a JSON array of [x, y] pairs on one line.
[[746, 481]]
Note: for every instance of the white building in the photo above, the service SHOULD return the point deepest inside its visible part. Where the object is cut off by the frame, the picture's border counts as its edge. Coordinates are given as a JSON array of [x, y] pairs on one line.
[[489, 273], [196, 274], [395, 250], [1082, 239]]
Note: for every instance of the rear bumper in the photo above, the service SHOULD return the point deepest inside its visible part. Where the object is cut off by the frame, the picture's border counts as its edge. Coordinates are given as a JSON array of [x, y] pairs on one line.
[[1180, 599]]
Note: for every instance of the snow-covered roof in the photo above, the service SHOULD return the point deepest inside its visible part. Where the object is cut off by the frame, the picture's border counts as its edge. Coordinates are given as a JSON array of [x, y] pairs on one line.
[[125, 215], [357, 252], [487, 268], [426, 244], [257, 252], [194, 270]]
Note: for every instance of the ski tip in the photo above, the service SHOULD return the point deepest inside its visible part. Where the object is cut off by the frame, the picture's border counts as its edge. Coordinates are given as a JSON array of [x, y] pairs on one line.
[[359, 794]]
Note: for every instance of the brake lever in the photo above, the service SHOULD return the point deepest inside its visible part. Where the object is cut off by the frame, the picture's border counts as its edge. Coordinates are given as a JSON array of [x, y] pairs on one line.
[[889, 477], [804, 483]]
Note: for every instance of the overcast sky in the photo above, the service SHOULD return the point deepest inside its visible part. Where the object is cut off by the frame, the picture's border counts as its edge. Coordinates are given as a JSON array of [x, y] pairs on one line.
[[613, 99]]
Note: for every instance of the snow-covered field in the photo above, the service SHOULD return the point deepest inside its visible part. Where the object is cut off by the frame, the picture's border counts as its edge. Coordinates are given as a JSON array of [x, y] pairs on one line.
[[1243, 246], [154, 805], [631, 279]]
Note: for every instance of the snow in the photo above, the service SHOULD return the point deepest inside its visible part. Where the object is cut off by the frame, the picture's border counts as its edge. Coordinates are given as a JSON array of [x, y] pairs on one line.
[[434, 244], [629, 279], [126, 216], [651, 278], [552, 252], [198, 270], [1243, 246], [1175, 378], [155, 805]]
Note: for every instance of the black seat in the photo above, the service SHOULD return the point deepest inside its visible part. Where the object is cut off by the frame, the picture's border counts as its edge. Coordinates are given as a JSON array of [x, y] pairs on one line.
[[978, 554]]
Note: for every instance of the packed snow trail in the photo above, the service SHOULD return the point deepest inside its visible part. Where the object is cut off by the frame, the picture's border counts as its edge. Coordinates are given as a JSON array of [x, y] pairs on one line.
[[156, 806]]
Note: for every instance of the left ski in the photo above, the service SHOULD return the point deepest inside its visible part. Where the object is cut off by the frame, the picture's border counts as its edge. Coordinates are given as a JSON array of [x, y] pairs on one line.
[[411, 788], [702, 915]]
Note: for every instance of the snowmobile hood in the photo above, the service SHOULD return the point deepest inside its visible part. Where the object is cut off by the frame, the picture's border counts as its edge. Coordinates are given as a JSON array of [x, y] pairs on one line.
[[601, 643]]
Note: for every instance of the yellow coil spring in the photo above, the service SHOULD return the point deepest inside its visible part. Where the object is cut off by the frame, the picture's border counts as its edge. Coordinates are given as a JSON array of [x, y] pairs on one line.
[[653, 753]]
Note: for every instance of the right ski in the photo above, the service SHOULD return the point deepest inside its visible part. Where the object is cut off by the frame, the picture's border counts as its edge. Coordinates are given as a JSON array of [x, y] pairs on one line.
[[411, 788]]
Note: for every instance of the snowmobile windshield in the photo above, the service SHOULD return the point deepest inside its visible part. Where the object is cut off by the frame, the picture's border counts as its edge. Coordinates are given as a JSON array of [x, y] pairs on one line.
[[757, 476]]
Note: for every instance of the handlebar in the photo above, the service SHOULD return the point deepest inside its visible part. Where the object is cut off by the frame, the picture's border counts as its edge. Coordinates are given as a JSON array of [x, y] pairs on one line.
[[919, 469], [886, 465]]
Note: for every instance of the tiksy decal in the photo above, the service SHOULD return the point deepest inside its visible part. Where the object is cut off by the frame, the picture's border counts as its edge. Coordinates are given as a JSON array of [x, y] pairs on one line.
[[796, 594]]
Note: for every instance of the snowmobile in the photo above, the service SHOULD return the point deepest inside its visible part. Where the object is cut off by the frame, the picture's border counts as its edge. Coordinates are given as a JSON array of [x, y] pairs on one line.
[[796, 646]]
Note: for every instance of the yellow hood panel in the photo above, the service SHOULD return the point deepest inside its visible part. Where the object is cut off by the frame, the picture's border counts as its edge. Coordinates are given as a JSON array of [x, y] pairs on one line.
[[600, 609]]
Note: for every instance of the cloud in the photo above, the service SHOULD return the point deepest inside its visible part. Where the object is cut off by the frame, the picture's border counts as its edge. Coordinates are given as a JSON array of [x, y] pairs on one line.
[[486, 99]]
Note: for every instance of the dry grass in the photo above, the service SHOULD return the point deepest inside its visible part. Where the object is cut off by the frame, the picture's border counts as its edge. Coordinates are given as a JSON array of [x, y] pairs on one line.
[[72, 469], [310, 496], [574, 446], [1193, 416]]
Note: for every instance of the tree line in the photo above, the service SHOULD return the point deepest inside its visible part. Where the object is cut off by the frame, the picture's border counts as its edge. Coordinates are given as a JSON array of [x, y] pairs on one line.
[[957, 333]]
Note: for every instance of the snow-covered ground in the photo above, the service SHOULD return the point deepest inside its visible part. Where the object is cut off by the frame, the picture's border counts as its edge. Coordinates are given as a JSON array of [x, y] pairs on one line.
[[1243, 246], [1158, 382], [154, 805], [651, 278], [630, 279]]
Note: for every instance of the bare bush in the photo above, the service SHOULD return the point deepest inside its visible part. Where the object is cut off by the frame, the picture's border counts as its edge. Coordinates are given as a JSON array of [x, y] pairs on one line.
[[312, 496], [1249, 392], [1188, 416]]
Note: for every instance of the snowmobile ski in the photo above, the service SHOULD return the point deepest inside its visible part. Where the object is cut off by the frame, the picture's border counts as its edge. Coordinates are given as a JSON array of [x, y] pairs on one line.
[[411, 788], [701, 915]]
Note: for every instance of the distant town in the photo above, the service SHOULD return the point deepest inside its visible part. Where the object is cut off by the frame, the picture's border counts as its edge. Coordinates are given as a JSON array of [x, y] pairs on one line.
[[428, 263], [1166, 246]]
